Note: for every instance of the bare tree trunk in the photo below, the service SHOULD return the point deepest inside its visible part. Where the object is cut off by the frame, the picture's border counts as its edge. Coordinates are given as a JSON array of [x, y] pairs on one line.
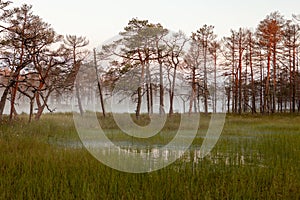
[[274, 79], [171, 111], [253, 110], [148, 98], [101, 99], [161, 89], [228, 99], [40, 112], [197, 105], [236, 87], [139, 90], [3, 101], [193, 92], [290, 81], [261, 92], [215, 82], [267, 90], [205, 80], [99, 85], [240, 75], [233, 76], [151, 97], [280, 95], [31, 109], [41, 106], [139, 102], [78, 98], [149, 90], [294, 76], [13, 99], [245, 88]]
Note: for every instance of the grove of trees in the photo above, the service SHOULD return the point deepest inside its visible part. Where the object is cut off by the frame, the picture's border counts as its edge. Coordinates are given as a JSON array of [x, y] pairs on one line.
[[258, 68], [35, 60]]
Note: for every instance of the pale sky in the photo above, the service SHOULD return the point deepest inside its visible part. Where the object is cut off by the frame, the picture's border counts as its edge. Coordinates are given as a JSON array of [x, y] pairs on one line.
[[101, 20]]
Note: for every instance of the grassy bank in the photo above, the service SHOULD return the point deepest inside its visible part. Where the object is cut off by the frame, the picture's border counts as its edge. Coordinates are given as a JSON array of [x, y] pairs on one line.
[[257, 157]]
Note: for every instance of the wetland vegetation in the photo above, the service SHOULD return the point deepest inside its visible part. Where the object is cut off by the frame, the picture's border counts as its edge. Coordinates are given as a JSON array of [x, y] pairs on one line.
[[256, 157]]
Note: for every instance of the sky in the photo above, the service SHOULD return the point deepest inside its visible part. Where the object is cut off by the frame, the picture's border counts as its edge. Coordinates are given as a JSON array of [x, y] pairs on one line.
[[101, 20]]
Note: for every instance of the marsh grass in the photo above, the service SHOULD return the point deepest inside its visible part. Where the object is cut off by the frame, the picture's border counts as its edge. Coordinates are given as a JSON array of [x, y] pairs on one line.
[[257, 157]]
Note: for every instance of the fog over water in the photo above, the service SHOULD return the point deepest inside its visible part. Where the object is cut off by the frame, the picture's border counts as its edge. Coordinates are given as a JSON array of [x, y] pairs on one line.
[[181, 105]]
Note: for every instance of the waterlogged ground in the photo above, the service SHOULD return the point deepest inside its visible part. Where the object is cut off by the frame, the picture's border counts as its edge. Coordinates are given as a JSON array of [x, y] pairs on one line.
[[155, 152], [256, 157]]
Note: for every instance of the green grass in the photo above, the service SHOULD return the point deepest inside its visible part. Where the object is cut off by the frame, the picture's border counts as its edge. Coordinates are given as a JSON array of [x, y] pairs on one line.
[[257, 157]]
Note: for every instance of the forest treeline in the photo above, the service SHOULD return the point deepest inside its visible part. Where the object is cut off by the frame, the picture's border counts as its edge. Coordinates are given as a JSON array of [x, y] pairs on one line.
[[251, 70]]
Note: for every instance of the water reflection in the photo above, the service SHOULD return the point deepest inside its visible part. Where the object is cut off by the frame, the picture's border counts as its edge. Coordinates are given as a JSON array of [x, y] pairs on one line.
[[152, 154]]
